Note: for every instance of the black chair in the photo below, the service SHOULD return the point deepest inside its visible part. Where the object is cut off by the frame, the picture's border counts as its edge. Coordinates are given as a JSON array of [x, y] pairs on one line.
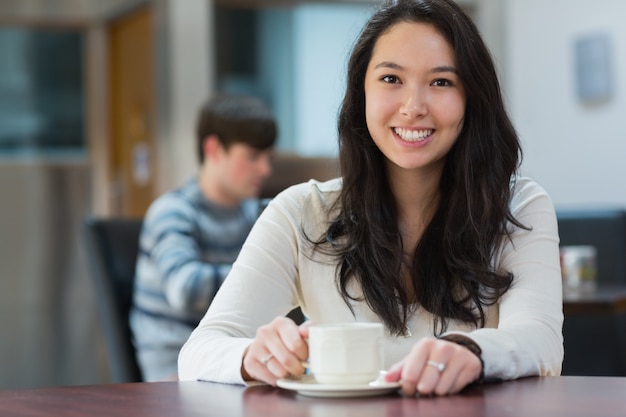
[[112, 246]]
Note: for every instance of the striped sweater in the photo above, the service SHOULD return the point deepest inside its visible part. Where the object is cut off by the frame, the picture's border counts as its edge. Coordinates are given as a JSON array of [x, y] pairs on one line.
[[187, 246]]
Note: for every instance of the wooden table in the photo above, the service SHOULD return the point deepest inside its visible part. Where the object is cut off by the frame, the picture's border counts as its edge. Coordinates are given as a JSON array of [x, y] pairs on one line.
[[534, 397]]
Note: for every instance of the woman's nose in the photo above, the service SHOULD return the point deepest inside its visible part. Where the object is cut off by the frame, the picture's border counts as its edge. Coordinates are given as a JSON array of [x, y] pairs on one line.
[[414, 104]]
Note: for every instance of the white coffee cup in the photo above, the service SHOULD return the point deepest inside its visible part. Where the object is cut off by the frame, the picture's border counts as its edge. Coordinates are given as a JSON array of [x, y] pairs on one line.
[[346, 353], [578, 267]]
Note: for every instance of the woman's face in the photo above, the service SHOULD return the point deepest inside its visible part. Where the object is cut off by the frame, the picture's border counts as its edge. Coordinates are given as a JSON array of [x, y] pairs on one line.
[[414, 100]]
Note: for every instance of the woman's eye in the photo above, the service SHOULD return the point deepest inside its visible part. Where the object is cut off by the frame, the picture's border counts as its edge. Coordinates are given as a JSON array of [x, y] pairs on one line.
[[441, 82], [390, 79]]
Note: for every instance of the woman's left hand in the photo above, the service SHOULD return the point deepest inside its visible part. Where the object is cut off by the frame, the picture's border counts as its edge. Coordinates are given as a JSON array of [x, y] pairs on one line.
[[435, 366]]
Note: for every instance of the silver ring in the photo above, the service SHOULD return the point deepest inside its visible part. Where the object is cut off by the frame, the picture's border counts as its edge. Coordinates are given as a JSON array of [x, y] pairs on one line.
[[437, 365], [266, 359]]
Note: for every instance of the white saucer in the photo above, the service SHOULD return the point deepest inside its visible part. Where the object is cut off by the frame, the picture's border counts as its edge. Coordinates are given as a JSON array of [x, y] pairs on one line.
[[308, 387]]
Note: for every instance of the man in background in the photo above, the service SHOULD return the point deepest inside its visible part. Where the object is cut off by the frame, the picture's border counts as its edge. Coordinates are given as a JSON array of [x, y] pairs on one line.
[[191, 236]]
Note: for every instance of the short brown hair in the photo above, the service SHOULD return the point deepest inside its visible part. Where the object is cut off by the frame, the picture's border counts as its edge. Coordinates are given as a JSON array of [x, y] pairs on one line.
[[236, 119]]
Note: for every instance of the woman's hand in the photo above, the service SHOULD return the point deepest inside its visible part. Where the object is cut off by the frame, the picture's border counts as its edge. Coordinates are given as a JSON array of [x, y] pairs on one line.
[[276, 352], [435, 366]]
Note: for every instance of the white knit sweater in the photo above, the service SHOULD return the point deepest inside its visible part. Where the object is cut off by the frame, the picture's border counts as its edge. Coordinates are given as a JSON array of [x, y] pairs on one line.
[[273, 274]]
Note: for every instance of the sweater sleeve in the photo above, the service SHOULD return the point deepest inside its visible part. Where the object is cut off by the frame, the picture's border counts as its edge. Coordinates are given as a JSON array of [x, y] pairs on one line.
[[528, 339], [169, 237], [260, 287]]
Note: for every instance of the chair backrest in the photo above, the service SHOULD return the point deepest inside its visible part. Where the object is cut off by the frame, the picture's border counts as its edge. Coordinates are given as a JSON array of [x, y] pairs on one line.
[[112, 247], [290, 169]]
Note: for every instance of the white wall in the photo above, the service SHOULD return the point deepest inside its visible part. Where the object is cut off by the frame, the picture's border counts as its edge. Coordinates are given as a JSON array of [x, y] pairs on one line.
[[575, 150]]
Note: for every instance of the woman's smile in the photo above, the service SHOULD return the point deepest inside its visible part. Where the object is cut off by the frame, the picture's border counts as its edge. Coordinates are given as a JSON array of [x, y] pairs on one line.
[[413, 135]]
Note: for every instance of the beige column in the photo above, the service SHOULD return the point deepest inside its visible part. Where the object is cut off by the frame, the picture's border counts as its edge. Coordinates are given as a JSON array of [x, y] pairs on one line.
[[185, 77]]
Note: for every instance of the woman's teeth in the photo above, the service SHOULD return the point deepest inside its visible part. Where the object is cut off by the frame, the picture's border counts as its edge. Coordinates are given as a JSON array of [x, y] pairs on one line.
[[413, 135]]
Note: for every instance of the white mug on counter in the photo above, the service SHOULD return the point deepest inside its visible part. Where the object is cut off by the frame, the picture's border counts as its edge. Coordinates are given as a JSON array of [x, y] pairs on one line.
[[346, 353], [578, 267]]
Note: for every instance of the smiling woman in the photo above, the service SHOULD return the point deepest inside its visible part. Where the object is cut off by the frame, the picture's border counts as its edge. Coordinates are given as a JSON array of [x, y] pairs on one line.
[[429, 231]]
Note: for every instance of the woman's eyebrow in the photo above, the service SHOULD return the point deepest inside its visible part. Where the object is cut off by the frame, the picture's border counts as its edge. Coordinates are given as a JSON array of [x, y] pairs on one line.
[[444, 68], [435, 70], [389, 64]]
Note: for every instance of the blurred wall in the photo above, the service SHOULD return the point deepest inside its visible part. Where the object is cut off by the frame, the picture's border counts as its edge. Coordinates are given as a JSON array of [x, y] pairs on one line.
[[49, 333], [575, 149], [49, 330]]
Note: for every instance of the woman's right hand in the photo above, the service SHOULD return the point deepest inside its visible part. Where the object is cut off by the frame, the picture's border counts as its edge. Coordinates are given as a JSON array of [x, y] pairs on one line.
[[277, 351]]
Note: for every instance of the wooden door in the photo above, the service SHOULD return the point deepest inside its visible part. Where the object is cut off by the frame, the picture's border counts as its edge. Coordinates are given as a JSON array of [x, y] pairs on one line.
[[131, 110]]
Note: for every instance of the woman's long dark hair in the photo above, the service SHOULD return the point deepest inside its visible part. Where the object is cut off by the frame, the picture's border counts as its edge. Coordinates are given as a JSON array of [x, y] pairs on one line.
[[452, 274]]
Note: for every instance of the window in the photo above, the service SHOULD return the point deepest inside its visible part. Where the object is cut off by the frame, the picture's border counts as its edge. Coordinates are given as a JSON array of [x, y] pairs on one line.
[[41, 91]]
